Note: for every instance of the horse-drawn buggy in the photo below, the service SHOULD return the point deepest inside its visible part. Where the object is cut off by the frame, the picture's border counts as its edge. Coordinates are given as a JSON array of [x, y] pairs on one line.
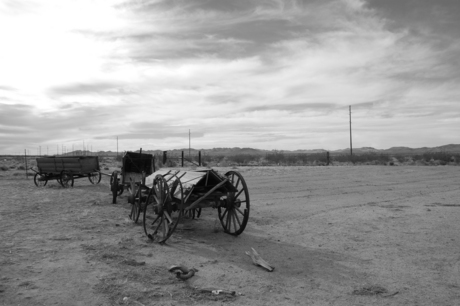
[[166, 196], [65, 169]]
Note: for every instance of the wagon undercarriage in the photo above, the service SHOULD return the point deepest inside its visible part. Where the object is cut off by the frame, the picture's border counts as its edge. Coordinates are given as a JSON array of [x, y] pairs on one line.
[[165, 197]]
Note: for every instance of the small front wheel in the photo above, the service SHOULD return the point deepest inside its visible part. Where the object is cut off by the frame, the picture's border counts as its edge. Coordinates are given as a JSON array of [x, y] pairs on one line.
[[66, 179], [115, 187], [40, 180], [94, 177], [135, 198]]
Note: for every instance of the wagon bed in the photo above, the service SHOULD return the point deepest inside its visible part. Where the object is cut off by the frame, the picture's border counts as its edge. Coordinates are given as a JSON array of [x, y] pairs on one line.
[[135, 167], [66, 169], [168, 195]]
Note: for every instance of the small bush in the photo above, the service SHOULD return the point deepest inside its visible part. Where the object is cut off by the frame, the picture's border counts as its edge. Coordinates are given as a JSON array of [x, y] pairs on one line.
[[4, 168], [21, 168]]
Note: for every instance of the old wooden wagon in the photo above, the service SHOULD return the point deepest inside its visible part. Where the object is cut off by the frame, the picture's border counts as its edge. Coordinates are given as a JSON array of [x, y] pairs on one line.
[[166, 196], [135, 166], [66, 169]]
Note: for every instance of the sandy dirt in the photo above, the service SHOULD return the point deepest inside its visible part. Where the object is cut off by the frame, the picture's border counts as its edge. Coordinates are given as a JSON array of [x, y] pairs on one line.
[[355, 235]]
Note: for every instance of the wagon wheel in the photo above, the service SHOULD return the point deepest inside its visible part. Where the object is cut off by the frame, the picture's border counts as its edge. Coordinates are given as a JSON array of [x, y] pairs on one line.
[[40, 180], [234, 214], [115, 187], [119, 187], [66, 179], [94, 177], [162, 210], [135, 200]]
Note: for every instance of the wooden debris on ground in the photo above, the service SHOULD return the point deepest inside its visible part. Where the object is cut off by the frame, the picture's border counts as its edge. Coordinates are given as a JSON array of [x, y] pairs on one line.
[[259, 261], [182, 272], [217, 291]]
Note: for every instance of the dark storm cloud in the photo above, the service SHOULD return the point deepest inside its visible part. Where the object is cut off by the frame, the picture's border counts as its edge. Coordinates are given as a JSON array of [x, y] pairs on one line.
[[441, 16]]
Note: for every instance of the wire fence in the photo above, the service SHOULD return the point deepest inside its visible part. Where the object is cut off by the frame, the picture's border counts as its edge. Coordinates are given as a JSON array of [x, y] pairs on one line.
[[26, 162]]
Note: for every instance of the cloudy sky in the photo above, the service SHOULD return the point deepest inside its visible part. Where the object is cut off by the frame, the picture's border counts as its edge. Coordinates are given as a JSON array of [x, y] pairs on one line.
[[267, 74]]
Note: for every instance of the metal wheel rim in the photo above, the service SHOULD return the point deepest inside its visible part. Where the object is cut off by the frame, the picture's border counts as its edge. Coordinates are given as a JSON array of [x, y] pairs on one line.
[[40, 180], [94, 177], [159, 204], [234, 218], [66, 179]]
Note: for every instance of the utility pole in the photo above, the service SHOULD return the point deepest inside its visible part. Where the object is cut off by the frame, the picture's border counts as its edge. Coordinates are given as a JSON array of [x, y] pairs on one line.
[[189, 142], [351, 146], [117, 146]]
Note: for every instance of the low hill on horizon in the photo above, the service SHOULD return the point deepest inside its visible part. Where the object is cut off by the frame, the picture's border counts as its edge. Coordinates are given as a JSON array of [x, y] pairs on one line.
[[450, 148]]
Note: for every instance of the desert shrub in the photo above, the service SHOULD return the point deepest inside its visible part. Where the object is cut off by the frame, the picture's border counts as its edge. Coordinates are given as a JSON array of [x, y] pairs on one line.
[[21, 168], [363, 158], [399, 158], [291, 159], [157, 163], [4, 168], [441, 156], [243, 159], [170, 163]]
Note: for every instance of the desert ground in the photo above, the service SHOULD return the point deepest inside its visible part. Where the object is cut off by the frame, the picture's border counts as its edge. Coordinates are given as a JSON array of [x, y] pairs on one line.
[[336, 235]]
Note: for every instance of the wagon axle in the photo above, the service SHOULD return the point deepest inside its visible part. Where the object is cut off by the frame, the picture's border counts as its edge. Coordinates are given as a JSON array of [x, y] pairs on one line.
[[172, 195]]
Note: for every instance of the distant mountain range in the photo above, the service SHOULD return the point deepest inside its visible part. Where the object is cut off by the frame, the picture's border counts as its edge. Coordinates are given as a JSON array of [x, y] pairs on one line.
[[450, 148]]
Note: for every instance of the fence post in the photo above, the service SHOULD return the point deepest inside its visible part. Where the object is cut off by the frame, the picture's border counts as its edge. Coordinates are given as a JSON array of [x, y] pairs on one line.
[[25, 158], [327, 158], [182, 158], [199, 158]]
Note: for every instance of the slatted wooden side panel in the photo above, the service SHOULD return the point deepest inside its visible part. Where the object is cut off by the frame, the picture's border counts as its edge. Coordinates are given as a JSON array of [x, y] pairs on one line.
[[80, 165], [89, 164]]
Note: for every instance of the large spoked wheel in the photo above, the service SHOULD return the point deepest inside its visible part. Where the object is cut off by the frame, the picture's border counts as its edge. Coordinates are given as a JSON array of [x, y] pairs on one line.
[[94, 177], [40, 180], [66, 179], [163, 209], [234, 214], [134, 199]]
